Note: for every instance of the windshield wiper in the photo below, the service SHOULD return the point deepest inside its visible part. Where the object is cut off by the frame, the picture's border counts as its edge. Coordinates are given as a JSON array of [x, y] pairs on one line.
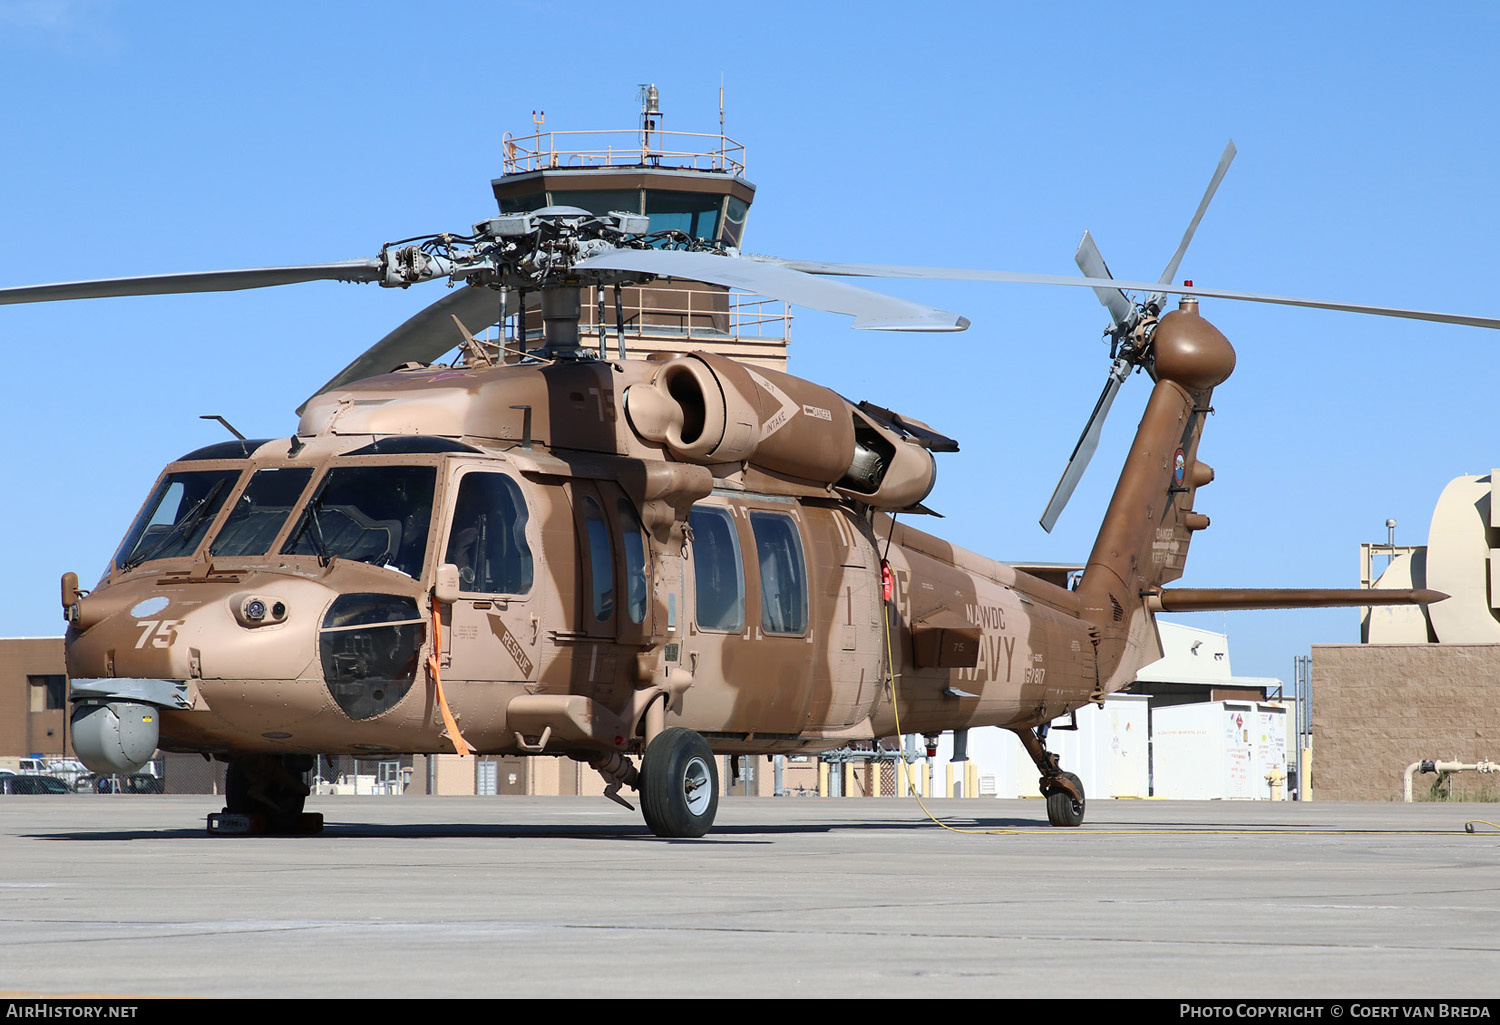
[[180, 528], [310, 519]]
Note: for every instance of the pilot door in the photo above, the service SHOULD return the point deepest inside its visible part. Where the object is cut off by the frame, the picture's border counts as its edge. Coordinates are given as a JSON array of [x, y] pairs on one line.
[[492, 539], [750, 640]]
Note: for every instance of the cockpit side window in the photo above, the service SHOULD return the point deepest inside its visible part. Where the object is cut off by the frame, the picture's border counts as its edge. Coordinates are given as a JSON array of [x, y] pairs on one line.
[[374, 514], [260, 512], [176, 516], [488, 539]]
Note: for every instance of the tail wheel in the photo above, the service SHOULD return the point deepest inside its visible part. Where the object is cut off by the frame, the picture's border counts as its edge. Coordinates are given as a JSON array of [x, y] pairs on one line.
[[679, 784], [1062, 810]]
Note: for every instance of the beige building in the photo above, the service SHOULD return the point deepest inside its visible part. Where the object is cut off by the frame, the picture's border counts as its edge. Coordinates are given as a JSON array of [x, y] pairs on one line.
[[33, 698], [1425, 684]]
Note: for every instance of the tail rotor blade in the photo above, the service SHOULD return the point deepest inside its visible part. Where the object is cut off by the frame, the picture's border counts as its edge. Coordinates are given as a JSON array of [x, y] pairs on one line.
[[1091, 262], [1087, 443], [1170, 273]]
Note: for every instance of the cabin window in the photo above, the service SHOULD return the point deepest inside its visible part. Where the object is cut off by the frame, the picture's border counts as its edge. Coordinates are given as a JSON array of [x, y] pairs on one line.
[[720, 583], [633, 544], [783, 573], [260, 512], [488, 540], [373, 514], [176, 516], [601, 561]]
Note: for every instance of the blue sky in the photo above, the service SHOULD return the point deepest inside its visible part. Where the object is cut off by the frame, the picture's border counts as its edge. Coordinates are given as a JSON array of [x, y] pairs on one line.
[[167, 136]]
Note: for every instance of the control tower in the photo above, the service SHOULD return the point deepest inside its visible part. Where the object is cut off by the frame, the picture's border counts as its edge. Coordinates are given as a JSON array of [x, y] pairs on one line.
[[688, 182]]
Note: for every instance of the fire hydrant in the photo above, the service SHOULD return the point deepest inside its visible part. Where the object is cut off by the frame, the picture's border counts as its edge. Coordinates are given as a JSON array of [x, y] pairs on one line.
[[1276, 779]]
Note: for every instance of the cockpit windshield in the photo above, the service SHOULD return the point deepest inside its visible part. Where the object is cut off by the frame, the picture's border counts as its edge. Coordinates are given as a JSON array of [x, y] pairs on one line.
[[374, 514], [176, 516], [260, 511]]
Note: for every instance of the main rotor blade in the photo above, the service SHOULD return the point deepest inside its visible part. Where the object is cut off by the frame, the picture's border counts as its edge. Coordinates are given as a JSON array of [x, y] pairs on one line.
[[871, 310], [869, 270], [1087, 443], [1091, 262], [423, 337], [197, 281], [1170, 274]]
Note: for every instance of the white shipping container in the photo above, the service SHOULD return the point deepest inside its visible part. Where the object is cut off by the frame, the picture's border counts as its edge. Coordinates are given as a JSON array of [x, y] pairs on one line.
[[1217, 750], [1109, 752]]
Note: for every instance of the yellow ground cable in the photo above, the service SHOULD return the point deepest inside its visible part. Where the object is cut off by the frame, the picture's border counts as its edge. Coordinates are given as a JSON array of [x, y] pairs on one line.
[[460, 745], [905, 765], [1053, 831]]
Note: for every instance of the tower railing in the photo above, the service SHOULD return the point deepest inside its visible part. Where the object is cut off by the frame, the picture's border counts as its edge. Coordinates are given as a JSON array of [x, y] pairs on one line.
[[624, 148]]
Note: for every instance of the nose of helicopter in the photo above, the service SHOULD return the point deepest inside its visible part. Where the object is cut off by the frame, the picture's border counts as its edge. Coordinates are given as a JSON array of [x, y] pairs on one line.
[[261, 626], [139, 649]]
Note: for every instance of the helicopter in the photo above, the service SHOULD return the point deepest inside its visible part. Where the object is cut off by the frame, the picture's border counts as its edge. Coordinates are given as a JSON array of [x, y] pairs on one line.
[[551, 547]]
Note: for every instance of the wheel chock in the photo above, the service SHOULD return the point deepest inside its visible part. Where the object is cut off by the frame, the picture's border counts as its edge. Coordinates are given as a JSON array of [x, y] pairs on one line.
[[235, 824]]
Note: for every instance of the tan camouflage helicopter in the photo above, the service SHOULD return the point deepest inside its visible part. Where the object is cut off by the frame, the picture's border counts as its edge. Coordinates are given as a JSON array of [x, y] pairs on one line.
[[552, 548]]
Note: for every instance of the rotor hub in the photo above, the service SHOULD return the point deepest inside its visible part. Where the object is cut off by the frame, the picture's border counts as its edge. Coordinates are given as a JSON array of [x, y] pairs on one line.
[[1190, 351]]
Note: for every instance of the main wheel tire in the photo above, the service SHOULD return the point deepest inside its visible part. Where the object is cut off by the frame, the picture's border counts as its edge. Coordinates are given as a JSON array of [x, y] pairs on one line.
[[270, 786], [679, 784], [1062, 810]]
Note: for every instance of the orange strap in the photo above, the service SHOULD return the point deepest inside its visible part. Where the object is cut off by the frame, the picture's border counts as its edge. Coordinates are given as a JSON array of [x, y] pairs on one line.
[[460, 745]]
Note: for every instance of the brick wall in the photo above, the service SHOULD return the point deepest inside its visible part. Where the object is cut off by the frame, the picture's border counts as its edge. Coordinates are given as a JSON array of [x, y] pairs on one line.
[[23, 731], [1379, 707]]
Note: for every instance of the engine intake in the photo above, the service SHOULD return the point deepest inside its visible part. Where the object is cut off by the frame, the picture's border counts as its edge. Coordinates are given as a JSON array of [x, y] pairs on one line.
[[708, 409]]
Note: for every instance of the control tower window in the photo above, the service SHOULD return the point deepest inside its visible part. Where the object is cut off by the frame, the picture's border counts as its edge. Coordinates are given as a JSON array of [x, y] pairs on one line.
[[684, 211], [600, 201], [523, 204], [734, 220]]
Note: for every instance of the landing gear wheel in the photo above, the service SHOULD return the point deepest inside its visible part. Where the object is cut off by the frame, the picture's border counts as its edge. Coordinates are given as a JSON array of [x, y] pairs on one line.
[[269, 786], [679, 784], [1062, 810]]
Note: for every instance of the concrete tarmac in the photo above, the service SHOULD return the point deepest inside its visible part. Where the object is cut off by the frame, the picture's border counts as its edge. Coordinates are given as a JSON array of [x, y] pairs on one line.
[[788, 897]]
